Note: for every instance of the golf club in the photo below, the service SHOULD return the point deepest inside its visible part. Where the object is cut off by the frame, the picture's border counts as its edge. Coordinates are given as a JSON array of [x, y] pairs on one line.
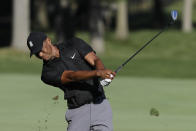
[[174, 15], [173, 18]]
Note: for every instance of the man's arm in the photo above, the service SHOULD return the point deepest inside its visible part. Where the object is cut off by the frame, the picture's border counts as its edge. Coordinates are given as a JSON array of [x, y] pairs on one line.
[[91, 58], [97, 63], [70, 76]]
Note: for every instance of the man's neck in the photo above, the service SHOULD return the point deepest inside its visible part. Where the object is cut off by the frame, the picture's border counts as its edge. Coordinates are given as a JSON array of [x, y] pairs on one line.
[[55, 53]]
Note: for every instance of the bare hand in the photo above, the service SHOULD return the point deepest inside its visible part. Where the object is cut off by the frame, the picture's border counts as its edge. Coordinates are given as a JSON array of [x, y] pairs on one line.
[[106, 74]]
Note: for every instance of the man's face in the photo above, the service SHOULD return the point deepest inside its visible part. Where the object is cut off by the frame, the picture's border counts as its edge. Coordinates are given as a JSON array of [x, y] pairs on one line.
[[46, 52]]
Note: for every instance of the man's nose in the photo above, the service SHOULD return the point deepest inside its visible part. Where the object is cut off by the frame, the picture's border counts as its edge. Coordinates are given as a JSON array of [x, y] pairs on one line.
[[40, 54]]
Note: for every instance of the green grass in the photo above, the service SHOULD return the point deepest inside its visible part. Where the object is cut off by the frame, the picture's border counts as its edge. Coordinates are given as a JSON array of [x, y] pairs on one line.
[[162, 76], [170, 55], [19, 62], [27, 105], [172, 44]]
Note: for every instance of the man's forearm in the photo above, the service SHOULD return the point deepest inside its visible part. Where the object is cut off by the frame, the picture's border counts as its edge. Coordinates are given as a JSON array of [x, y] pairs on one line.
[[99, 65], [70, 76]]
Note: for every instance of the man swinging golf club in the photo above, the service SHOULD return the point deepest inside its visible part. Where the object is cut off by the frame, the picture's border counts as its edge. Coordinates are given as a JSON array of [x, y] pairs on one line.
[[74, 67]]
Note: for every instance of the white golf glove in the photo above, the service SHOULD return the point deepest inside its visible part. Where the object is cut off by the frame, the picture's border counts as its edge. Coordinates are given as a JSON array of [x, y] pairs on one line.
[[106, 82]]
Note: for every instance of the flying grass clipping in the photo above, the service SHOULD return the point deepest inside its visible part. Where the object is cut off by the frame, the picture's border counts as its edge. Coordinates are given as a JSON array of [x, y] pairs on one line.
[[154, 112]]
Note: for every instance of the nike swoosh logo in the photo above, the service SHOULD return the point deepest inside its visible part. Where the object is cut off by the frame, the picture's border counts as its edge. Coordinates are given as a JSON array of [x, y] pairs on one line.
[[72, 57]]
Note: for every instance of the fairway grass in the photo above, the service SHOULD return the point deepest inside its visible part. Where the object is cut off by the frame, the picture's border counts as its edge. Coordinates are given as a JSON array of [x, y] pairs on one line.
[[27, 104], [172, 55]]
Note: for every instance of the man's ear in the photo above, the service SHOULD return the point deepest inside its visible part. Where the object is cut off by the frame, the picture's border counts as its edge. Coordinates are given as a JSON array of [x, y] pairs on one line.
[[48, 39]]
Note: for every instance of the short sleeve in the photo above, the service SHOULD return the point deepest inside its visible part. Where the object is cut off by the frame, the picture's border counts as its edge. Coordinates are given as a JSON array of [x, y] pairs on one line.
[[82, 47]]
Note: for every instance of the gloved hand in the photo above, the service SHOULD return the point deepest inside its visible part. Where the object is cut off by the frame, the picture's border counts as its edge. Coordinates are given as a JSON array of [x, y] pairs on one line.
[[106, 82]]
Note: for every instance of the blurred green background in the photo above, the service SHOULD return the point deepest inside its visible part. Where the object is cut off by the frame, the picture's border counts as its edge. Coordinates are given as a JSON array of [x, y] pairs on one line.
[[162, 76]]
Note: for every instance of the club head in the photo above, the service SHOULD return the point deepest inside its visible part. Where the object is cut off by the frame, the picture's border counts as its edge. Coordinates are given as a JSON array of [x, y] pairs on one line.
[[174, 15]]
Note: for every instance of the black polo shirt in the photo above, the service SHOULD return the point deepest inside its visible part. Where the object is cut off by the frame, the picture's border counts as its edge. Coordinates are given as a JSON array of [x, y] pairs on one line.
[[72, 53]]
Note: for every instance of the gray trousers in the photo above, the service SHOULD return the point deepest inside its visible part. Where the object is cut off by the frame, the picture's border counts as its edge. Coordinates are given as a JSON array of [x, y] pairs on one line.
[[90, 117]]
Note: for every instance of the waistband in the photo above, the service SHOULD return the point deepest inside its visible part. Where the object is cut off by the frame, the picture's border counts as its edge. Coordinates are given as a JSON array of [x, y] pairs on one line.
[[72, 103]]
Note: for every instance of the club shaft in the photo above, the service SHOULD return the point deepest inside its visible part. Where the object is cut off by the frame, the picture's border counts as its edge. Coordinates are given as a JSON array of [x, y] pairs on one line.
[[130, 58]]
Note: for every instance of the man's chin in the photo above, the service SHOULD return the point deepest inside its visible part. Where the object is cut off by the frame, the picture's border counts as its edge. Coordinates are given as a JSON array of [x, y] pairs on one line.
[[51, 58]]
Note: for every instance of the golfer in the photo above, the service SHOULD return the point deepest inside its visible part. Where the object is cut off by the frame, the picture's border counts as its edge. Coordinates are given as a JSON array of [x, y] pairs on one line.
[[74, 67]]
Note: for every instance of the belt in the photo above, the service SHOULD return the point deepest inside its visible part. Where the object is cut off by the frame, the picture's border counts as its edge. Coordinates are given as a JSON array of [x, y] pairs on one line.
[[72, 103], [98, 100]]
